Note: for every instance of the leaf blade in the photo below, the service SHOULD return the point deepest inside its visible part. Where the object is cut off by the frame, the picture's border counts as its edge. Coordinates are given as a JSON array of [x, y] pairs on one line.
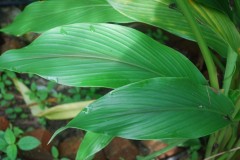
[[28, 143], [163, 14], [9, 136], [12, 151], [156, 109], [220, 23], [44, 15], [111, 56], [91, 144]]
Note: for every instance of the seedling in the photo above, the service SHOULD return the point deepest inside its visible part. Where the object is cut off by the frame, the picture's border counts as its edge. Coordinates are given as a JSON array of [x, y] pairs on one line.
[[12, 140], [55, 154]]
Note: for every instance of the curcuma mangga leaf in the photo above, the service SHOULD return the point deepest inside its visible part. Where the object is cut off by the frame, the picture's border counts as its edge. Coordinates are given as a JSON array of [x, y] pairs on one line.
[[157, 108], [164, 14], [104, 55], [220, 23], [44, 15]]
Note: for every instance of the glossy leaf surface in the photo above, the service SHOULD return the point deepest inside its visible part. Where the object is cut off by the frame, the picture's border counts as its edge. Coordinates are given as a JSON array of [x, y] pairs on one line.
[[163, 14], [91, 144], [44, 15], [98, 55], [156, 109], [221, 24], [222, 5]]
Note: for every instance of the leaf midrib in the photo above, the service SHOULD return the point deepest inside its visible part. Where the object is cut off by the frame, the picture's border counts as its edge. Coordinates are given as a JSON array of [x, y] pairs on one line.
[[93, 57]]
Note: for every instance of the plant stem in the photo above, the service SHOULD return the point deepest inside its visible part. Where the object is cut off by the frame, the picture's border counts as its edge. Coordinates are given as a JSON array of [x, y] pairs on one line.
[[229, 72], [212, 71], [210, 144], [218, 63]]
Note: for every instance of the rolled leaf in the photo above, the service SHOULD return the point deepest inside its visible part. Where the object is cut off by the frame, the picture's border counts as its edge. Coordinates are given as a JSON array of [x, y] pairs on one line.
[[44, 15], [104, 55], [64, 111], [157, 108]]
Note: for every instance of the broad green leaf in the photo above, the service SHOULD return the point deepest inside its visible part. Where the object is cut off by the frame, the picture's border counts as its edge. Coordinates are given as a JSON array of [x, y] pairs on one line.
[[9, 136], [157, 108], [163, 14], [44, 15], [12, 152], [3, 144], [28, 143], [64, 111], [98, 55], [220, 24], [220, 5], [91, 144]]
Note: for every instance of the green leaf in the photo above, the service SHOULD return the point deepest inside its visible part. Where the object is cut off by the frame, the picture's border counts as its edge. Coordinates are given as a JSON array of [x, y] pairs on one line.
[[42, 94], [54, 152], [91, 144], [8, 96], [3, 144], [9, 136], [220, 24], [1, 134], [222, 5], [157, 108], [44, 15], [17, 131], [12, 152], [163, 14], [10, 74], [28, 143], [57, 132], [110, 56]]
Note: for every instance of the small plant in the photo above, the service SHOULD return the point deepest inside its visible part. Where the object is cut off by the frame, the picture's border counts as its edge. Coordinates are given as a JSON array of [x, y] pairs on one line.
[[14, 112], [5, 81], [11, 140], [55, 154]]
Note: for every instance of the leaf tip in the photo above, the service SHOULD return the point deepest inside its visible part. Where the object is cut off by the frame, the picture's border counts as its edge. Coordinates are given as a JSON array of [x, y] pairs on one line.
[[56, 133]]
